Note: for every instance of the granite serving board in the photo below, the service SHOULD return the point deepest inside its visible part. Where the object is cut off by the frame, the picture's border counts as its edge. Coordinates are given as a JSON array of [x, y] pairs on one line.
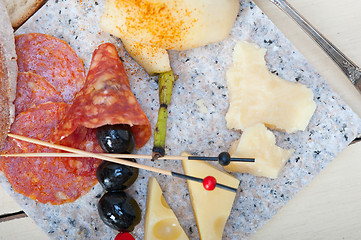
[[197, 123]]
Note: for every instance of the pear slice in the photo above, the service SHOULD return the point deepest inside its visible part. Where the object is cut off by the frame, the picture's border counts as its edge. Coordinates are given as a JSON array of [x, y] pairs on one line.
[[154, 60], [258, 142], [170, 24], [160, 221], [258, 96], [211, 208]]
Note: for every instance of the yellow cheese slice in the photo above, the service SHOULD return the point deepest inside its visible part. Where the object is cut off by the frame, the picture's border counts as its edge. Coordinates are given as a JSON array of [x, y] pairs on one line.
[[160, 221], [211, 208], [258, 96], [259, 143]]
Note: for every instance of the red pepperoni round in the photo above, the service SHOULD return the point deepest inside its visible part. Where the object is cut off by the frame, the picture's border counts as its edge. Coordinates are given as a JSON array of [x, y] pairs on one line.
[[52, 180], [31, 90], [53, 59], [106, 99]]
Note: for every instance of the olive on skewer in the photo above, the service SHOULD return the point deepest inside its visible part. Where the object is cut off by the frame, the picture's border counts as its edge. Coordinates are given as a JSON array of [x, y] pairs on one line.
[[116, 138], [116, 177], [119, 211]]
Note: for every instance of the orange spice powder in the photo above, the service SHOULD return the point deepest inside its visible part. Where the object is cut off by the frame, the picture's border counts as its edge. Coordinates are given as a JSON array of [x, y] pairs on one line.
[[167, 24]]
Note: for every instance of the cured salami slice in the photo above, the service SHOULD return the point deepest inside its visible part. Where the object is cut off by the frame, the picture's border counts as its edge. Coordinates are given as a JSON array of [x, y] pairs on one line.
[[106, 99], [49, 179], [53, 59], [32, 89]]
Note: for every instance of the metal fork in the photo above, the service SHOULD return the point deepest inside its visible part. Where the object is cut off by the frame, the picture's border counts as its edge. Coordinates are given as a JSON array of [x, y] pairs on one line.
[[352, 71]]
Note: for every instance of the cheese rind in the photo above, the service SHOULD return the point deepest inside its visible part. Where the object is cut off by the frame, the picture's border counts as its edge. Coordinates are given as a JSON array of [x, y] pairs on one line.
[[211, 208], [258, 96], [160, 221], [259, 143]]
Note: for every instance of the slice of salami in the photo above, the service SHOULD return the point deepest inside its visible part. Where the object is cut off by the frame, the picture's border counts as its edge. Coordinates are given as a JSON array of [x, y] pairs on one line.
[[49, 179], [106, 99], [33, 89], [53, 59]]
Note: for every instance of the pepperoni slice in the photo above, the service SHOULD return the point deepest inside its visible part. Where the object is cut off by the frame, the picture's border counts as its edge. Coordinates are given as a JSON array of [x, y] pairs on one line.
[[49, 179], [33, 89], [106, 99], [53, 59]]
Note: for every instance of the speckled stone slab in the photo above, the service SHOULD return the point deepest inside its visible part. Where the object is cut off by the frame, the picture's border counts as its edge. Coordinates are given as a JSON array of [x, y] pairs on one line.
[[198, 128]]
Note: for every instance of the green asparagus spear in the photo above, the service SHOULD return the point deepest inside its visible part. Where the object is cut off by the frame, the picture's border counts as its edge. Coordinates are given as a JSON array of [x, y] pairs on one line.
[[166, 81]]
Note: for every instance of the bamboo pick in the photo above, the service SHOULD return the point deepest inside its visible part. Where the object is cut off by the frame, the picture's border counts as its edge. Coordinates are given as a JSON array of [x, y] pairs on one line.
[[116, 160], [114, 155], [89, 154]]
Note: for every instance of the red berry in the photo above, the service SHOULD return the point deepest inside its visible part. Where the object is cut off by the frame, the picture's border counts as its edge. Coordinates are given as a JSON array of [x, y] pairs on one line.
[[209, 183], [124, 236]]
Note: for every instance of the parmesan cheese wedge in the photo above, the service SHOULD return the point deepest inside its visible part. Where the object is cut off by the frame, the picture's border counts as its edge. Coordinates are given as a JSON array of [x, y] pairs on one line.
[[258, 96], [160, 221], [211, 208], [259, 143]]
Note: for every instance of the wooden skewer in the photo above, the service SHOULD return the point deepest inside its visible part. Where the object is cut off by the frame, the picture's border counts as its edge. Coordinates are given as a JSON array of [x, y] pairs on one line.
[[115, 160], [89, 154], [114, 155]]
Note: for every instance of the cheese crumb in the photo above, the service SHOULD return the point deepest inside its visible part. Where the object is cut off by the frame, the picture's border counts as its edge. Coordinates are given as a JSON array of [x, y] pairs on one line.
[[202, 107]]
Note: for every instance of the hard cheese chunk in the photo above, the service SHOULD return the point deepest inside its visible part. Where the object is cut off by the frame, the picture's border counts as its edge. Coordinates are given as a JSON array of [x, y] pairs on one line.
[[258, 96], [152, 59], [170, 24], [259, 143], [211, 208], [160, 221]]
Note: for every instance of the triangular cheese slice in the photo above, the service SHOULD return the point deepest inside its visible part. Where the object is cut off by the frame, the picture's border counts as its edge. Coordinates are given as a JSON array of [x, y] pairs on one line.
[[211, 208], [160, 221]]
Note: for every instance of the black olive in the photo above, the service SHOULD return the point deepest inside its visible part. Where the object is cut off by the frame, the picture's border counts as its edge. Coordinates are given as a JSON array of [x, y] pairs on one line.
[[119, 211], [116, 177], [116, 138]]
